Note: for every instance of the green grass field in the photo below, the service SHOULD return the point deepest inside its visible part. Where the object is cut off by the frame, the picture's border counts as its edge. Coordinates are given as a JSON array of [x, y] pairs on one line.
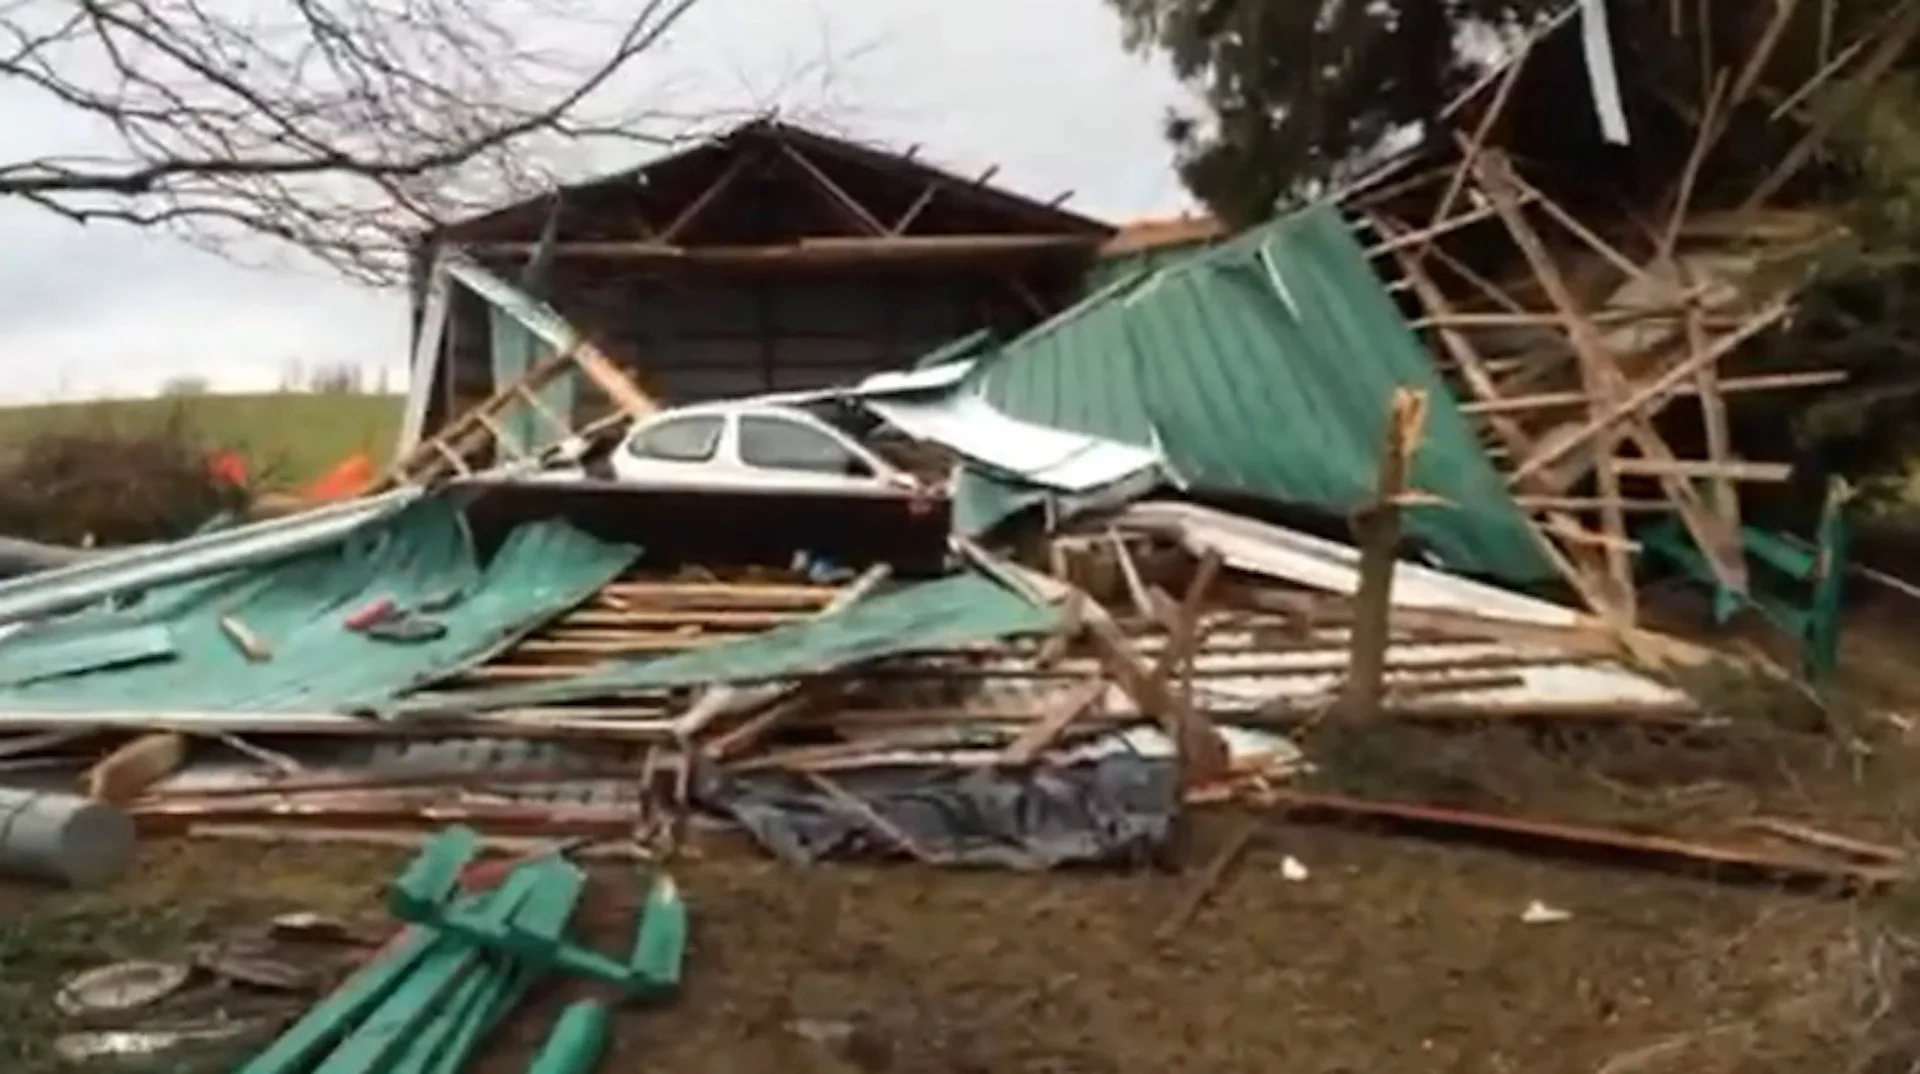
[[287, 438]]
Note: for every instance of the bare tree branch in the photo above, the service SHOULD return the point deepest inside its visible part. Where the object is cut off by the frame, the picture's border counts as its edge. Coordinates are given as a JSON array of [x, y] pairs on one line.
[[336, 125]]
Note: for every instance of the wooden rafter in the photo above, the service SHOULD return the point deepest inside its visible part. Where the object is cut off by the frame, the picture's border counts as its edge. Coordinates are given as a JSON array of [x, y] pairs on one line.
[[859, 214], [1874, 68], [913, 212], [1496, 178], [727, 177], [1615, 313]]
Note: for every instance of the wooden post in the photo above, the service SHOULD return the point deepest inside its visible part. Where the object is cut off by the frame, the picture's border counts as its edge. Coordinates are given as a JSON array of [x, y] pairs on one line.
[[1377, 526]]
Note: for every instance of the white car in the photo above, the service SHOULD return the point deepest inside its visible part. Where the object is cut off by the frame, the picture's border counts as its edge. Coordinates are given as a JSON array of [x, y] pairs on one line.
[[748, 447]]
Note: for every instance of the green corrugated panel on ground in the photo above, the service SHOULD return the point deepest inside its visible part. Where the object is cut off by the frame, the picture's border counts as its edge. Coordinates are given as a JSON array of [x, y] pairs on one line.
[[927, 617], [421, 557], [1265, 366]]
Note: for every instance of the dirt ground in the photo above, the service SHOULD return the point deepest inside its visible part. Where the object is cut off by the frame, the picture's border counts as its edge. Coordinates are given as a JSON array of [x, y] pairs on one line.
[[1392, 952], [1389, 952]]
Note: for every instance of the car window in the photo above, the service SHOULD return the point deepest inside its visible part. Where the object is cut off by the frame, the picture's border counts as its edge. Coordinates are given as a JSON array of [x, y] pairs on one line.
[[690, 439], [779, 444]]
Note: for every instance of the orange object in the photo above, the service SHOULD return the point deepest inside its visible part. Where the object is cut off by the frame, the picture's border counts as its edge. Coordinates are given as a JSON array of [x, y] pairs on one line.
[[346, 480], [228, 468]]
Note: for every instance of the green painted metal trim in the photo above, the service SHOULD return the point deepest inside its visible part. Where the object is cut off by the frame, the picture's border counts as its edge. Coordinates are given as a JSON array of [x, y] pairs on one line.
[[534, 936], [328, 1022], [427, 994], [660, 940], [432, 878], [1812, 620], [578, 1041], [475, 996]]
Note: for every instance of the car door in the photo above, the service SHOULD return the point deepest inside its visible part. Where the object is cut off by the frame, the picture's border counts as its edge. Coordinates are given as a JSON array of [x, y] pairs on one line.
[[672, 450], [791, 452]]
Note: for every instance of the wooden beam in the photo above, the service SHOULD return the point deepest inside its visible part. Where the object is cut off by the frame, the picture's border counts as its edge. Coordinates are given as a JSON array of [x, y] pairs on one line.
[[693, 210], [1647, 394], [1042, 733], [913, 212], [1416, 237], [820, 248], [1470, 150], [1583, 535], [1599, 374], [1759, 383], [1847, 103], [1378, 532], [1731, 470], [1713, 413], [1472, 364], [1587, 503], [847, 203]]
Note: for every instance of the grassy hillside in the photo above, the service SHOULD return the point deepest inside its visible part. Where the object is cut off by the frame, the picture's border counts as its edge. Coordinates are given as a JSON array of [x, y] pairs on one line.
[[287, 438]]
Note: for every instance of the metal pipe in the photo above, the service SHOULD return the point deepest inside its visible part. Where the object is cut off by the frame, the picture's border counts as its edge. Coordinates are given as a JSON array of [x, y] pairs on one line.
[[63, 838]]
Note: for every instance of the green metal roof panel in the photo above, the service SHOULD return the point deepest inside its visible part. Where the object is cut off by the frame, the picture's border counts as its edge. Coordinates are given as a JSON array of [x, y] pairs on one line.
[[927, 617], [1110, 270], [1264, 366], [967, 346], [982, 499], [423, 555]]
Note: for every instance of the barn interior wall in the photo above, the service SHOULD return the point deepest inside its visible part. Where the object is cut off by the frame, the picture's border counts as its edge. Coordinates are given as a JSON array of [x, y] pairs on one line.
[[692, 339]]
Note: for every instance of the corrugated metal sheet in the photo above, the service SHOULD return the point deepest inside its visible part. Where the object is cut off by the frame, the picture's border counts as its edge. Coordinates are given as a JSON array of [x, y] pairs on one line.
[[970, 427], [951, 612], [1114, 268], [1248, 544], [1265, 367], [1236, 674], [423, 556], [145, 566]]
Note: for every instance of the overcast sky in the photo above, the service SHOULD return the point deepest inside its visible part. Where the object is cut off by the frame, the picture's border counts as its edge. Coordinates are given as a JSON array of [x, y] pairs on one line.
[[1040, 87]]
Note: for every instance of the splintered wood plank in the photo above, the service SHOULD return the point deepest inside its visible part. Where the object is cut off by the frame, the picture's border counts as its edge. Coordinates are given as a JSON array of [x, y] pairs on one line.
[[1042, 733], [609, 379], [1378, 527]]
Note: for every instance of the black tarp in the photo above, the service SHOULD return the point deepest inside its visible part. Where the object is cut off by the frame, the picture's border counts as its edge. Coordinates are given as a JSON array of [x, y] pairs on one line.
[[1116, 810]]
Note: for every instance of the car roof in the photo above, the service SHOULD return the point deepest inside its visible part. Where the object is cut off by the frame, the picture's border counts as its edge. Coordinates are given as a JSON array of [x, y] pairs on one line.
[[729, 406]]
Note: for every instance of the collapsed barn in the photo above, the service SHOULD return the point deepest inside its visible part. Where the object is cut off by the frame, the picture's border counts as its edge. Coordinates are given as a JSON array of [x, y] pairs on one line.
[[1612, 302], [769, 258], [1570, 284], [1525, 347]]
